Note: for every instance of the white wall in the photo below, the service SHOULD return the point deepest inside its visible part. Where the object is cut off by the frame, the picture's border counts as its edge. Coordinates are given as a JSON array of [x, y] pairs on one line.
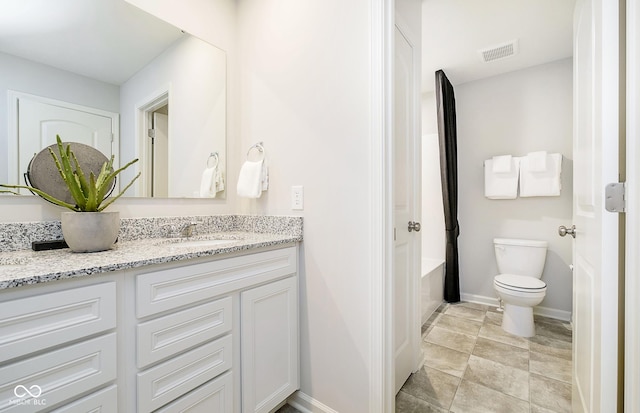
[[514, 113], [305, 92]]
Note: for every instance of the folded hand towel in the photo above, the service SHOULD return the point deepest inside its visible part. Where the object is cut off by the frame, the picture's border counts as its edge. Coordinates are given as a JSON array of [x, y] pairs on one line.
[[218, 180], [537, 161], [501, 164], [250, 180], [547, 183], [207, 188], [501, 185]]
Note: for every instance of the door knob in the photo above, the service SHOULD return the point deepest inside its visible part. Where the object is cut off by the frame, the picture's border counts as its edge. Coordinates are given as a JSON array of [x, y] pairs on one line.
[[562, 231], [414, 226]]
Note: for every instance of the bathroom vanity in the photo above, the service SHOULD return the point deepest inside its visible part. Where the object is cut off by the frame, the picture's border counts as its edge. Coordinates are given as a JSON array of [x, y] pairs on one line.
[[180, 327]]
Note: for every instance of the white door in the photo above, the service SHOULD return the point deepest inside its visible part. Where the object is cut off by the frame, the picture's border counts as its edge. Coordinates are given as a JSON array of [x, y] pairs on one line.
[[595, 285], [406, 192], [39, 122]]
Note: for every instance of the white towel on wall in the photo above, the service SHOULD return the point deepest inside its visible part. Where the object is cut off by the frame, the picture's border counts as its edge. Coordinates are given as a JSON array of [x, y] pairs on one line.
[[543, 183], [537, 161], [253, 179], [211, 183], [501, 185], [501, 164]]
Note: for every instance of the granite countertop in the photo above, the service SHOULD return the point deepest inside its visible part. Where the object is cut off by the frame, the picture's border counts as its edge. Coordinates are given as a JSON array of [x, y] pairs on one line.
[[18, 268]]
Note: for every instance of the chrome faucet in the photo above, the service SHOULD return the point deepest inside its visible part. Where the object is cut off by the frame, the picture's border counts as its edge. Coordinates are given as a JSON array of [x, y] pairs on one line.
[[188, 230]]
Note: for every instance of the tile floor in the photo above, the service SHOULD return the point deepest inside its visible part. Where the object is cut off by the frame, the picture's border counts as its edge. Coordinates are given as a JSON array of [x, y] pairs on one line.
[[473, 366]]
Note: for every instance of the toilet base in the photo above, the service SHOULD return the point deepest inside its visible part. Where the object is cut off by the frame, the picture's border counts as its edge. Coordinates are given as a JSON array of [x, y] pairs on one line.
[[518, 320]]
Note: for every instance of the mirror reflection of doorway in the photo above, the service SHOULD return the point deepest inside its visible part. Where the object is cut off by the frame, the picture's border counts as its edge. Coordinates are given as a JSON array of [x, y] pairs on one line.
[[153, 141], [160, 152]]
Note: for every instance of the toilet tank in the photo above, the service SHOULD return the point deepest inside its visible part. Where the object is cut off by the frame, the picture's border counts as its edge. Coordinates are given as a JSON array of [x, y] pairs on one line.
[[520, 256]]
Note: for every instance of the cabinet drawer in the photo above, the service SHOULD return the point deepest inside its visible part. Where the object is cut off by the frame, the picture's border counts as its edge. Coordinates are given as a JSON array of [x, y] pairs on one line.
[[172, 288], [174, 333], [58, 375], [163, 383], [103, 401], [213, 397], [33, 323]]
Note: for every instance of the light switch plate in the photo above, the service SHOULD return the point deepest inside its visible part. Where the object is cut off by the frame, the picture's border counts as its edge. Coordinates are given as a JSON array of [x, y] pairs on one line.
[[297, 197]]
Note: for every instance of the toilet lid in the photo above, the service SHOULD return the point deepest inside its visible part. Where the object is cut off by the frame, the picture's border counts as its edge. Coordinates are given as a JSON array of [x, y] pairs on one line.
[[520, 282]]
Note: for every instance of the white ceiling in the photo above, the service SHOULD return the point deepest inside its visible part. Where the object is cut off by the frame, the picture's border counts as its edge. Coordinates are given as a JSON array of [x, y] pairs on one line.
[[102, 39], [454, 30]]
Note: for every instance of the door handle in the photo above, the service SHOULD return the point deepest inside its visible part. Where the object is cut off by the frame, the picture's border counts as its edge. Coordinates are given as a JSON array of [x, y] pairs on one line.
[[414, 226], [562, 231]]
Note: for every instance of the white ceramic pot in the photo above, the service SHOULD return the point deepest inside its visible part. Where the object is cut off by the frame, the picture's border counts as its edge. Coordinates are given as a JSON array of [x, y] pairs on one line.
[[90, 231]]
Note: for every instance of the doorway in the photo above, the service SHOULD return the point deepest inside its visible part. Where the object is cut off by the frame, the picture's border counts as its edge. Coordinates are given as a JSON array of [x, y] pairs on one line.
[[153, 141]]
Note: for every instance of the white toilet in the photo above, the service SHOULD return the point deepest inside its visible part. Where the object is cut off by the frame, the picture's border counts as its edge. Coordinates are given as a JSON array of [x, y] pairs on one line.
[[520, 264]]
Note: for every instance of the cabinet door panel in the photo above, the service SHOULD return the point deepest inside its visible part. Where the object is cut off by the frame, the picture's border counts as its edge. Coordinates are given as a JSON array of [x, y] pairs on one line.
[[213, 397], [54, 377], [35, 323], [269, 345], [167, 381], [168, 335]]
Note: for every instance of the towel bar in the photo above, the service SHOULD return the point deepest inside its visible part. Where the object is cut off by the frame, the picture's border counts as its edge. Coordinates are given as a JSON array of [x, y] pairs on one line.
[[259, 146], [216, 159]]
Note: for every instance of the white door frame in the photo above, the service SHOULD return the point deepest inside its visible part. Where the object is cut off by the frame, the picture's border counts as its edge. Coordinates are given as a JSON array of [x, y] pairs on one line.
[[381, 376], [632, 241]]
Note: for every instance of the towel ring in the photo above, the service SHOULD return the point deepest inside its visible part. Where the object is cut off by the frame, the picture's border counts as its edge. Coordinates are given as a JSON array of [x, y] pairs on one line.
[[259, 147], [215, 157]]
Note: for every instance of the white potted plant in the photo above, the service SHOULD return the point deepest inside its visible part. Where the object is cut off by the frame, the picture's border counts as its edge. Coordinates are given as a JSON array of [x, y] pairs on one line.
[[87, 228]]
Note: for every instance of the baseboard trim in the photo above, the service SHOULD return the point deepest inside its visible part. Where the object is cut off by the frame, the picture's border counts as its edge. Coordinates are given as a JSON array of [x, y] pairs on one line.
[[307, 404], [543, 311]]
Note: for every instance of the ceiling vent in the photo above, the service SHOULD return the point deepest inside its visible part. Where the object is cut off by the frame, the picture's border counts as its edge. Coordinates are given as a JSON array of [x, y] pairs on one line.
[[500, 51]]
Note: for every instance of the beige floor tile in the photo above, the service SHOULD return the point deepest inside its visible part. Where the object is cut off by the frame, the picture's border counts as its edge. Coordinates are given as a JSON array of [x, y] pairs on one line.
[[502, 353], [550, 366], [550, 346], [475, 306], [550, 394], [554, 329], [496, 376], [406, 403], [462, 311], [493, 318], [451, 339], [475, 398], [432, 386], [460, 325], [444, 359], [496, 333]]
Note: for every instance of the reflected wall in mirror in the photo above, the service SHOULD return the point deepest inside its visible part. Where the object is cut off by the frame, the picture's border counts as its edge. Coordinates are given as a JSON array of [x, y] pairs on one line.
[[107, 55]]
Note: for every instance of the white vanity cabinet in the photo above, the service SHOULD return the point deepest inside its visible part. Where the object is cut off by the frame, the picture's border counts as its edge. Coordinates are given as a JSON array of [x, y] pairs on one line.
[[218, 335], [57, 346], [209, 335]]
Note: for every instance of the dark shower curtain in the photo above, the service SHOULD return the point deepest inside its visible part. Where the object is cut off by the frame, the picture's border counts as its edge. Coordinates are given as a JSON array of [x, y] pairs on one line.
[[446, 107]]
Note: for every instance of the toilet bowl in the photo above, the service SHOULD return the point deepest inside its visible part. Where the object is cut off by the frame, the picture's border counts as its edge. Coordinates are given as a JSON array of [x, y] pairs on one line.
[[520, 263]]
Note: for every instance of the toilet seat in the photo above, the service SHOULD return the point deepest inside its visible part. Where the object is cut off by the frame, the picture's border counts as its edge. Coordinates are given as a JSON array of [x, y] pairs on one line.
[[520, 283]]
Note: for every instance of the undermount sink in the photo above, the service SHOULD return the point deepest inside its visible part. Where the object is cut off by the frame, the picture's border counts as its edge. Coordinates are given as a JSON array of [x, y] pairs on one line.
[[9, 262], [196, 242], [200, 243]]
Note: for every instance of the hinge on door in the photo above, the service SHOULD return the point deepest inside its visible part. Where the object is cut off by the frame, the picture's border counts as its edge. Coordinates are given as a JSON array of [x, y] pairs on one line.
[[614, 197], [152, 133]]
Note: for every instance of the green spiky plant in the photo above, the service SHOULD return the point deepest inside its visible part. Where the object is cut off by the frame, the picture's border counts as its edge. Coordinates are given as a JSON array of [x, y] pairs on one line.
[[88, 193]]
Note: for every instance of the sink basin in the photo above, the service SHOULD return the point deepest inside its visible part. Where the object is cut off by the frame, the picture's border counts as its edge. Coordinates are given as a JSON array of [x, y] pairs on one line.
[[200, 243], [9, 262]]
